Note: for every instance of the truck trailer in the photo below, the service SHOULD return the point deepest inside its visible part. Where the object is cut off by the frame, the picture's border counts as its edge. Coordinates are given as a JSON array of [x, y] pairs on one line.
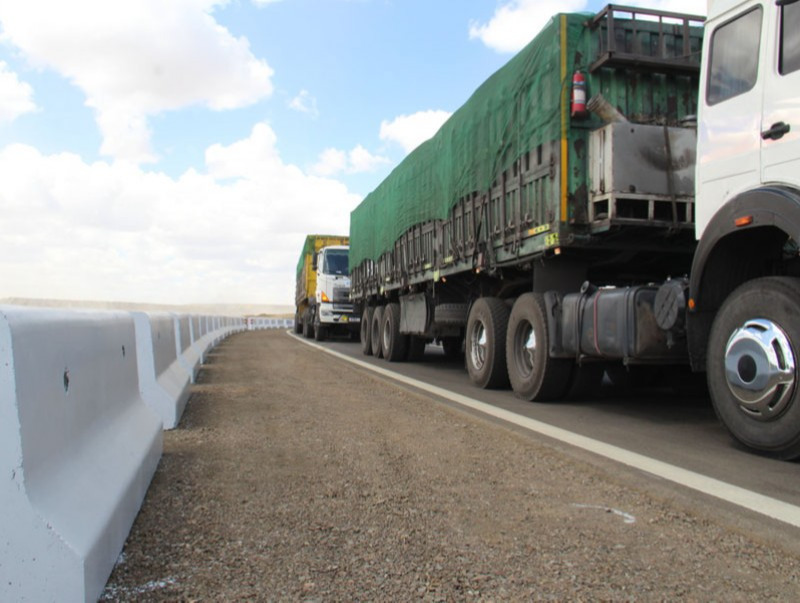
[[555, 240], [322, 293]]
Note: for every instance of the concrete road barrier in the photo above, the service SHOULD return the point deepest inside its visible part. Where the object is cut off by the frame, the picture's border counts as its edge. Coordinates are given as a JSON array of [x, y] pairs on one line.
[[78, 448], [163, 382], [255, 323], [187, 357]]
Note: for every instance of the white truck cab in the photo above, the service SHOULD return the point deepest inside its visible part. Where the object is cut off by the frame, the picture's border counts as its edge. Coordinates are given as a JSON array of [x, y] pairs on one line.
[[334, 310], [744, 319], [749, 110]]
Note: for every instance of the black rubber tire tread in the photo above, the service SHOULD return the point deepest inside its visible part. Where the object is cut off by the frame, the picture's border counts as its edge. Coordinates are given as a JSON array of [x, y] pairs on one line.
[[493, 312], [396, 348], [308, 326], [298, 324], [452, 346], [451, 314], [366, 332], [774, 299], [549, 380], [416, 348], [375, 331], [320, 332]]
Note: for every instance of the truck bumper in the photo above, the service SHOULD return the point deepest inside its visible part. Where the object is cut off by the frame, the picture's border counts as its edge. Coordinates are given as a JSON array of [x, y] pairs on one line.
[[334, 314]]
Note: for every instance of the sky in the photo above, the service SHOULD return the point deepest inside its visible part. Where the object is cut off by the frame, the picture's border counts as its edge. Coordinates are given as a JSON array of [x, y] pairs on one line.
[[179, 151]]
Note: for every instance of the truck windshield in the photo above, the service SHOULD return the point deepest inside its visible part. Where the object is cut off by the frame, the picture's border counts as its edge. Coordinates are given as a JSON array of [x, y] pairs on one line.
[[335, 262]]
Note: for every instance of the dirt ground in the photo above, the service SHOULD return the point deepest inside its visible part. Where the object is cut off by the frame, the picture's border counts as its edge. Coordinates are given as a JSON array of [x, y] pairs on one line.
[[295, 476]]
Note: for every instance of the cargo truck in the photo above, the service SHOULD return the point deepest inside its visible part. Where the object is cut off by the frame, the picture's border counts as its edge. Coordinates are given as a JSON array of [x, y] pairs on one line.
[[554, 240], [322, 294]]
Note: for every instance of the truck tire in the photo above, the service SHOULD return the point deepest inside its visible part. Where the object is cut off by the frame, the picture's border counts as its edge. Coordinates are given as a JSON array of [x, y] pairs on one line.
[[366, 331], [533, 373], [320, 330], [308, 326], [298, 324], [451, 314], [416, 348], [752, 365], [394, 345], [486, 343], [375, 331]]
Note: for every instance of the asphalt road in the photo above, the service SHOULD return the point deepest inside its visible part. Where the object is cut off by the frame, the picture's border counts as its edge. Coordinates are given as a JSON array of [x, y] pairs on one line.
[[657, 423]]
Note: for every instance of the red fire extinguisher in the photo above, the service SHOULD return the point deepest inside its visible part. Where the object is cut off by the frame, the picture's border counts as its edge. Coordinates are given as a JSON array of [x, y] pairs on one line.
[[578, 104]]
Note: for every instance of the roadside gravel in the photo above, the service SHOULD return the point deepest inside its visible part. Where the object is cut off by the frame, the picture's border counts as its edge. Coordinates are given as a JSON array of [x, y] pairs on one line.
[[295, 476]]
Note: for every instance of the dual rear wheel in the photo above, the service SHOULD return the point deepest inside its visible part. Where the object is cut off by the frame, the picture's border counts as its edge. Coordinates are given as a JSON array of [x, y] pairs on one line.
[[511, 346], [381, 336]]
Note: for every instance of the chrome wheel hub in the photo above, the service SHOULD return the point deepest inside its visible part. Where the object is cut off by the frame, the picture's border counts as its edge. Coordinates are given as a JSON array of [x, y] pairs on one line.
[[526, 348], [478, 345], [387, 335], [760, 369]]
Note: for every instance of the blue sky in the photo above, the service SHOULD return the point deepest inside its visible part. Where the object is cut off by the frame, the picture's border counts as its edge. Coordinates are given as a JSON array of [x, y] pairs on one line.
[[178, 151]]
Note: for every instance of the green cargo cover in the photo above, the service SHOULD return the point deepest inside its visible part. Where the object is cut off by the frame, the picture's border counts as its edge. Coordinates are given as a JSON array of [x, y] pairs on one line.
[[518, 108]]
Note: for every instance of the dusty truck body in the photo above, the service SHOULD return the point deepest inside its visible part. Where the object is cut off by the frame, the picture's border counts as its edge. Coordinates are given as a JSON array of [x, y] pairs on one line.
[[322, 294], [552, 244]]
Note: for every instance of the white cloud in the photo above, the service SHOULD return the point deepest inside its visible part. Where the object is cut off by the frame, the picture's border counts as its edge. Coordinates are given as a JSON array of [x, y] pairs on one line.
[[356, 161], [137, 59], [304, 103], [412, 130], [16, 97], [515, 23], [111, 231]]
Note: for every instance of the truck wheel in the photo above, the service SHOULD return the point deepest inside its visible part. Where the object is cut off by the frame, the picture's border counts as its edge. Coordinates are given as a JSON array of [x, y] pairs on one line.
[[533, 373], [394, 345], [752, 365], [416, 348], [320, 332], [451, 314], [366, 333], [485, 343], [308, 326], [375, 331], [298, 324]]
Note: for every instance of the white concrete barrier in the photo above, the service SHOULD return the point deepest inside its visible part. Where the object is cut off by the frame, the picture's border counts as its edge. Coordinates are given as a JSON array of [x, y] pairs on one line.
[[163, 382], [187, 357], [78, 448], [254, 323]]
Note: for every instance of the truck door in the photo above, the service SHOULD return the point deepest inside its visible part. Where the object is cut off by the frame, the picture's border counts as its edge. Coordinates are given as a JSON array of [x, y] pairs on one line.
[[780, 125], [729, 133]]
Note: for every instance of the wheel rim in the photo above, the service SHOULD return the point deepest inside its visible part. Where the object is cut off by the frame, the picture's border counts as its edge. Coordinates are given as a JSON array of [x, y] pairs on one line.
[[760, 369], [478, 345], [525, 348], [387, 335]]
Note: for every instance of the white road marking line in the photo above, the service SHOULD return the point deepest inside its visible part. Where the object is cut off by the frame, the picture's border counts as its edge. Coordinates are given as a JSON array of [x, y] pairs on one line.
[[758, 503]]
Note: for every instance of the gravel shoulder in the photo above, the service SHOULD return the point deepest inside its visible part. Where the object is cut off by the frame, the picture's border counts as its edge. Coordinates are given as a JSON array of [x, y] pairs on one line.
[[295, 476]]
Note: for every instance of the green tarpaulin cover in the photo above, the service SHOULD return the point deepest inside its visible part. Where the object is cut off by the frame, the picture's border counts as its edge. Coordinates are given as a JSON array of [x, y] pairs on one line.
[[516, 109]]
